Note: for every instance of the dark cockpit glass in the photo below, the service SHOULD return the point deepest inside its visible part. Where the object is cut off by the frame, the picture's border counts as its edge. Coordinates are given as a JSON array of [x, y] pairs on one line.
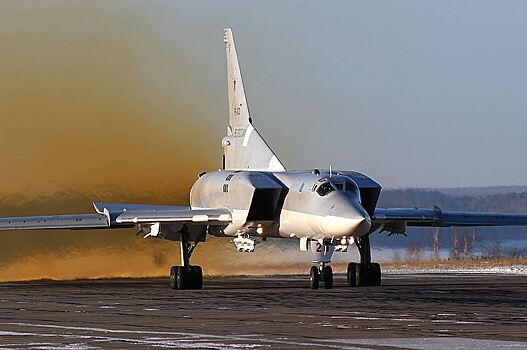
[[325, 188], [346, 185]]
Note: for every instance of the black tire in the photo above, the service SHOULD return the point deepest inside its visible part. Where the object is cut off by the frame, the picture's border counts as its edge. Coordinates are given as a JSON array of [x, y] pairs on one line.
[[370, 278], [352, 274], [314, 278], [182, 280], [376, 274], [362, 275], [197, 277], [173, 277], [328, 277]]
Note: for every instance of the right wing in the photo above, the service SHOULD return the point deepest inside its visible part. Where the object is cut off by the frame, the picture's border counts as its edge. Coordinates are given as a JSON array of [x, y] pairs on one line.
[[395, 220], [119, 215]]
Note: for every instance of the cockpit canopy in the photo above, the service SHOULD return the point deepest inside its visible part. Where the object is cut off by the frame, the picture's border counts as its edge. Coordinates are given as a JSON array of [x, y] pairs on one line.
[[325, 186]]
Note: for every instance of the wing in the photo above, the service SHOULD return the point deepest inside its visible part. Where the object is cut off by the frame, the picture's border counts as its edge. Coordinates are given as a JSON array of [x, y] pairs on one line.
[[81, 221], [395, 220], [119, 215]]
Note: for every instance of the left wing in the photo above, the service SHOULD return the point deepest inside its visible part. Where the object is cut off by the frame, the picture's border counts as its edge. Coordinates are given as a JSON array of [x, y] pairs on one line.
[[117, 215], [79, 222], [395, 220]]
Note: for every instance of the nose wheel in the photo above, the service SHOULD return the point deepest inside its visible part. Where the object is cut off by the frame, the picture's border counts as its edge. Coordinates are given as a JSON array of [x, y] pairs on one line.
[[320, 273]]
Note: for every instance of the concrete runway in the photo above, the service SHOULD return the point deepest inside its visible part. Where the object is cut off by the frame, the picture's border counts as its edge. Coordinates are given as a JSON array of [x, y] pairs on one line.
[[279, 312]]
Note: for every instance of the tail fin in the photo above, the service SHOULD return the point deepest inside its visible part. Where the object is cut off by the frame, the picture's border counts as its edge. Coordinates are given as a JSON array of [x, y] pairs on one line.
[[244, 148]]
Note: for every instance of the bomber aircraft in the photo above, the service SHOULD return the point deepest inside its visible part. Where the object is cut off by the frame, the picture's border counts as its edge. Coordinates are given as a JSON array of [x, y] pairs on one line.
[[253, 197]]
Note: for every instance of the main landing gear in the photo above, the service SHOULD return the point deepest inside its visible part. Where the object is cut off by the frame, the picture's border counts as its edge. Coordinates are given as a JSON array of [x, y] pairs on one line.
[[186, 276], [359, 275], [364, 273]]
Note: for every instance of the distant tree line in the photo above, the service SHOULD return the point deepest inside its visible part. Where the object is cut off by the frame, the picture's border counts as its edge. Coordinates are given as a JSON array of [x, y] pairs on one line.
[[422, 198], [460, 242]]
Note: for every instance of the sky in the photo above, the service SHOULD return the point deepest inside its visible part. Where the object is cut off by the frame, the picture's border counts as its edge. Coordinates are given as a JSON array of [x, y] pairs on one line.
[[127, 100], [413, 93]]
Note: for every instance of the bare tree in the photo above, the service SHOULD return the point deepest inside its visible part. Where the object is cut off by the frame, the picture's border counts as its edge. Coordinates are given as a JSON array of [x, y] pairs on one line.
[[414, 251], [435, 243], [493, 250], [454, 252], [465, 246], [474, 239]]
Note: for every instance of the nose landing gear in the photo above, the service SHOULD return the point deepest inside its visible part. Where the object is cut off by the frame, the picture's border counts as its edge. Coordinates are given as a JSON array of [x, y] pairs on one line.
[[323, 251], [323, 273]]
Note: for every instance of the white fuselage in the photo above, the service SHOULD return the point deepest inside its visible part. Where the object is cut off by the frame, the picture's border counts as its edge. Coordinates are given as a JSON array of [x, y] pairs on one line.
[[284, 204]]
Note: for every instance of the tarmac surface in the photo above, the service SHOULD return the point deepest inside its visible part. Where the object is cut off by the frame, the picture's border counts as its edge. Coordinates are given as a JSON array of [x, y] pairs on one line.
[[407, 312]]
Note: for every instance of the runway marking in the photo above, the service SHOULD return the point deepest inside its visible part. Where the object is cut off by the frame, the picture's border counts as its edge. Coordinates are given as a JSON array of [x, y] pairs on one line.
[[188, 340], [156, 342], [406, 319], [48, 346], [197, 340], [436, 343]]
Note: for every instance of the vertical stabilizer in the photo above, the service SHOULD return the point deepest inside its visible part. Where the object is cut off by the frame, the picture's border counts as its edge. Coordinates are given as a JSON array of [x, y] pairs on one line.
[[244, 148]]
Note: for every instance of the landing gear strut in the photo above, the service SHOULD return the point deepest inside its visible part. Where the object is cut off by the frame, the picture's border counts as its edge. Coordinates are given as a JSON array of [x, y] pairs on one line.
[[365, 273], [186, 276]]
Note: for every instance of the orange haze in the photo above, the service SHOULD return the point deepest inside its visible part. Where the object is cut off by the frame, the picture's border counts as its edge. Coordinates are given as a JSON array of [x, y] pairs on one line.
[[95, 104]]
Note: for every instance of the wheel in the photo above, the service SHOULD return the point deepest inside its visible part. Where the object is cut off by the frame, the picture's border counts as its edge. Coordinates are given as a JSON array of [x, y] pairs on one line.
[[197, 277], [328, 277], [370, 275], [182, 280], [314, 277], [352, 274], [173, 277], [376, 274], [361, 278]]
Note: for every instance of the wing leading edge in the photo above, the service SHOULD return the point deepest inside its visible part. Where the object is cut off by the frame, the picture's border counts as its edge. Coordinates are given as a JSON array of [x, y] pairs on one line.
[[118, 215], [395, 220], [79, 222]]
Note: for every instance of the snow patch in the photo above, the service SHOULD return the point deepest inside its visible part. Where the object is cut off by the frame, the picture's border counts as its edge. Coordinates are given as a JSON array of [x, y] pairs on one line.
[[506, 270]]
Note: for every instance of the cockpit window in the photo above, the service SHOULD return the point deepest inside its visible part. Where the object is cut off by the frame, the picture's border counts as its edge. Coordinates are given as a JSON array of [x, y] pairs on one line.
[[348, 186], [325, 188]]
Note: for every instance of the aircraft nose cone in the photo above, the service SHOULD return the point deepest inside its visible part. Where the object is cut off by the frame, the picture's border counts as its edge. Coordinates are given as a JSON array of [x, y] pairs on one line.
[[353, 221]]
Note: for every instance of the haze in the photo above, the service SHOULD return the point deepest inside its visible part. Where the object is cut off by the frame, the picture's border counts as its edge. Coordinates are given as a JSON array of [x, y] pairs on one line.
[[127, 101]]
